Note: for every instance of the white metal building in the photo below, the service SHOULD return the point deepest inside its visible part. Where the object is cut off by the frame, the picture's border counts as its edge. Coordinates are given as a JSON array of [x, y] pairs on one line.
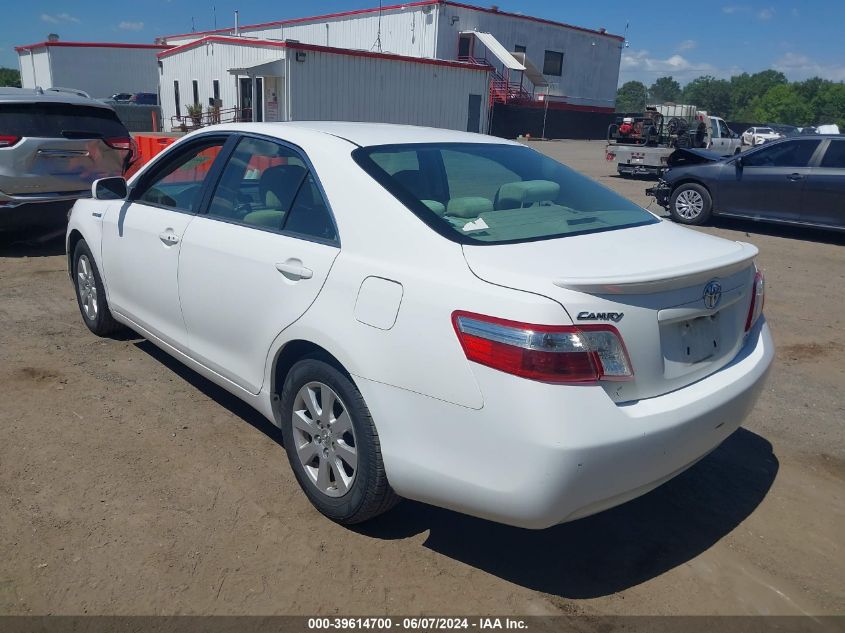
[[298, 81], [100, 69], [579, 66]]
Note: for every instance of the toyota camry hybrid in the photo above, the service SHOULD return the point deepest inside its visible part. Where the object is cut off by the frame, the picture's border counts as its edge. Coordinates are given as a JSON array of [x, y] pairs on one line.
[[442, 316]]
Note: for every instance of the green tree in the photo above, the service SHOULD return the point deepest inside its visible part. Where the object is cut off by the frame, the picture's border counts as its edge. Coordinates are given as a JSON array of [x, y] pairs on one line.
[[664, 90], [711, 94], [829, 105], [747, 89], [10, 77], [782, 104], [631, 97]]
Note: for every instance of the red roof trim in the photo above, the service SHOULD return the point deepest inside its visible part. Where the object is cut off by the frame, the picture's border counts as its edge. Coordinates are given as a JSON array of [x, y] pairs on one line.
[[393, 7], [29, 47], [562, 105], [219, 38], [392, 56], [323, 49], [326, 16], [533, 19]]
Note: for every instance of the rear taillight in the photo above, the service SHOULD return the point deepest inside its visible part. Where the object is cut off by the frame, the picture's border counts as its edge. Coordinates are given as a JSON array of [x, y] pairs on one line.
[[119, 142], [758, 299], [549, 353], [7, 140]]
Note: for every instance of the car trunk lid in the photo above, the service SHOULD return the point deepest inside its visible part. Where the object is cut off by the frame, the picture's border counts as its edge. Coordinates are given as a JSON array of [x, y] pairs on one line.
[[62, 148], [679, 298]]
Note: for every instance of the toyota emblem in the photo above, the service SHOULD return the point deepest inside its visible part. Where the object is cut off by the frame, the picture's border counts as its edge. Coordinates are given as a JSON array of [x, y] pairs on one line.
[[712, 294]]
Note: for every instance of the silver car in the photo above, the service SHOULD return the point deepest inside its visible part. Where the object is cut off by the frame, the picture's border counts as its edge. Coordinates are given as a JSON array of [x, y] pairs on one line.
[[54, 144]]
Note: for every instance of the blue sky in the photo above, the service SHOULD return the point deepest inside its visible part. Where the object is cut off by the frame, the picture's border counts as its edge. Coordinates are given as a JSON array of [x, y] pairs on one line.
[[800, 37]]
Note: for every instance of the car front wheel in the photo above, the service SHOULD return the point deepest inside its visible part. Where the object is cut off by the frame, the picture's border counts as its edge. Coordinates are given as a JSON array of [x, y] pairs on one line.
[[90, 293], [690, 204], [332, 443]]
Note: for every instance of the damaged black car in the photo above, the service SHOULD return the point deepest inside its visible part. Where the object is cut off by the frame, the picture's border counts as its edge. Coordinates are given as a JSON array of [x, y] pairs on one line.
[[796, 180]]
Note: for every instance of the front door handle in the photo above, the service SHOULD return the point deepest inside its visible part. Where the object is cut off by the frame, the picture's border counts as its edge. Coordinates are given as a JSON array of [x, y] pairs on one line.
[[169, 238], [794, 177], [294, 270]]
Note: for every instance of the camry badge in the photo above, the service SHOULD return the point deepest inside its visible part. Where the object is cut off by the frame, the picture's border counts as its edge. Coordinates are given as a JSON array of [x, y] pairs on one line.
[[616, 317], [712, 294]]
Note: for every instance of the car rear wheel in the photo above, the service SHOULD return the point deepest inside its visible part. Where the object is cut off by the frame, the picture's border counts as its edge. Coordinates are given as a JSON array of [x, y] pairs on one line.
[[332, 443], [690, 204], [90, 293]]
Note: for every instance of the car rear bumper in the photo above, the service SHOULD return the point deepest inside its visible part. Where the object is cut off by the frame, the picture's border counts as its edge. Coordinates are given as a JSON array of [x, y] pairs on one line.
[[15, 200], [661, 192], [626, 169], [536, 454]]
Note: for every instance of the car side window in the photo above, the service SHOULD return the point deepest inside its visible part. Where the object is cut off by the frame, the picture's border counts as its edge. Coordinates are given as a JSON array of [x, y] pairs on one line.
[[259, 184], [835, 155], [789, 154], [269, 185], [178, 183]]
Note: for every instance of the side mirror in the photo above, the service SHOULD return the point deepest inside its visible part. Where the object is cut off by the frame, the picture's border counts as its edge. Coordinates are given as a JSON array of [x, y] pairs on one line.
[[109, 189]]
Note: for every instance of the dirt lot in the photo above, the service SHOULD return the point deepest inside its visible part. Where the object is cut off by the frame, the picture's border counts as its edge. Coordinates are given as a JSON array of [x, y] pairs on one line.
[[130, 485]]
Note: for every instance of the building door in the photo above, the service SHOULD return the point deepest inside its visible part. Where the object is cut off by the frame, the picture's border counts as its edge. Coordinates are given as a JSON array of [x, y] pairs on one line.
[[474, 114], [464, 46], [246, 98], [259, 100]]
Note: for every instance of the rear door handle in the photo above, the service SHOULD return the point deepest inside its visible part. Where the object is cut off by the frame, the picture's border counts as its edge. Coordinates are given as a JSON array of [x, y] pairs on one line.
[[795, 177], [168, 237], [294, 270]]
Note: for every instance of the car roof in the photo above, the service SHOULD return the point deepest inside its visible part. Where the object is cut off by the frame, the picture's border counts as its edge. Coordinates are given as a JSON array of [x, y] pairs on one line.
[[30, 95], [366, 134]]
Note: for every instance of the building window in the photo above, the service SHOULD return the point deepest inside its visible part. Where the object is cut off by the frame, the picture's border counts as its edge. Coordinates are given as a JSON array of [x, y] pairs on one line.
[[519, 48], [176, 95], [196, 92], [553, 63], [215, 89]]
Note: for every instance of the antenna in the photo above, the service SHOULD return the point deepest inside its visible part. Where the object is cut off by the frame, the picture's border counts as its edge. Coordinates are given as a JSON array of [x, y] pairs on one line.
[[625, 42], [377, 43], [193, 26], [214, 12]]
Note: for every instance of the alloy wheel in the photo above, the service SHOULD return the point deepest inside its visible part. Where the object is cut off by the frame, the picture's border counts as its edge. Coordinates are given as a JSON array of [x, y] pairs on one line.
[[87, 284], [324, 439], [689, 204]]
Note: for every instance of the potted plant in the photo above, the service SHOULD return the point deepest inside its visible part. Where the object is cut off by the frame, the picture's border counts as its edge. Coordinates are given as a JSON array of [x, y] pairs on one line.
[[195, 112]]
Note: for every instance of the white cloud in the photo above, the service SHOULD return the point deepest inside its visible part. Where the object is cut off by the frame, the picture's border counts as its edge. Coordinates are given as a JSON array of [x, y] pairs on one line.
[[640, 65], [59, 17], [131, 26], [797, 67], [687, 45], [730, 9], [766, 14]]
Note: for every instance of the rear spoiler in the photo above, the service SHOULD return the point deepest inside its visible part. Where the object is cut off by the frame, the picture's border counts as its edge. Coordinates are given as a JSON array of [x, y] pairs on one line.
[[663, 279]]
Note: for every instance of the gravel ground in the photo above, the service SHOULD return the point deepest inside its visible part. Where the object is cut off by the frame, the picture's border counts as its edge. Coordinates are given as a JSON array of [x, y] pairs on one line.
[[130, 485]]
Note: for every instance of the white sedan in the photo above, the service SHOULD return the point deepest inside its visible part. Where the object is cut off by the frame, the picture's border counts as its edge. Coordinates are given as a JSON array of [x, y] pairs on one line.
[[447, 317], [758, 135]]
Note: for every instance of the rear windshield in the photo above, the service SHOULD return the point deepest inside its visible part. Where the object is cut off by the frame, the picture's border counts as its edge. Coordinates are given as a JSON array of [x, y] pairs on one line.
[[59, 120], [491, 193]]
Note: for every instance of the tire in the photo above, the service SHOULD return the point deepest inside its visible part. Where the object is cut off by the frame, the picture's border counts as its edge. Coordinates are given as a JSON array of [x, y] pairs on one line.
[[91, 294], [319, 451], [690, 203]]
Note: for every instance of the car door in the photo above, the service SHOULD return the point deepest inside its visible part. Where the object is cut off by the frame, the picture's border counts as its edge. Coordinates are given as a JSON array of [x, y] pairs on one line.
[[717, 142], [824, 190], [255, 259], [142, 238], [767, 182]]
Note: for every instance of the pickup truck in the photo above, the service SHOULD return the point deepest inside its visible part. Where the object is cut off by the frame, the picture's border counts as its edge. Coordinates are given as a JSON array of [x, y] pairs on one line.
[[645, 154]]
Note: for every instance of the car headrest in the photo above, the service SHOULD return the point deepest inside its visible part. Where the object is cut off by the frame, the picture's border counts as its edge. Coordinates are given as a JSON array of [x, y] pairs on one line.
[[526, 192], [277, 185], [438, 207], [468, 207]]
